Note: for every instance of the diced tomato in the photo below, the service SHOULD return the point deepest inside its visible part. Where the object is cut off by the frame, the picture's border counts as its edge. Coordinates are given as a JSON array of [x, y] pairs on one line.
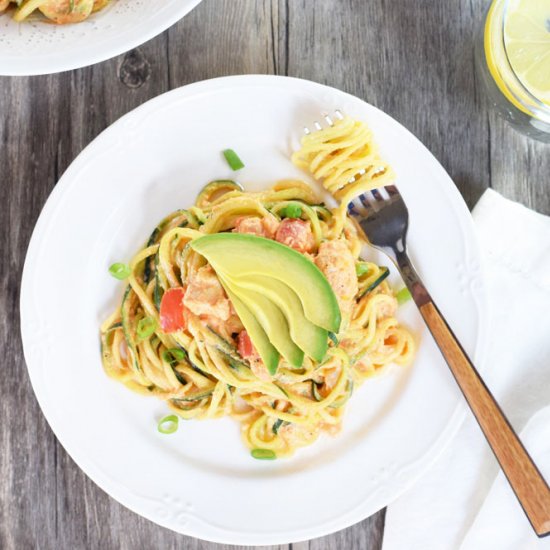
[[296, 234], [245, 346], [172, 310]]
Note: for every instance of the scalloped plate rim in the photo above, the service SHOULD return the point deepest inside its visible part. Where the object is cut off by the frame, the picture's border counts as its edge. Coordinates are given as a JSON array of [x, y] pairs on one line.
[[60, 62]]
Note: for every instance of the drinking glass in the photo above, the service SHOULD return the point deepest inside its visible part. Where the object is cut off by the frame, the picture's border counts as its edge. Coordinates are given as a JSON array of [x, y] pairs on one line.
[[512, 54]]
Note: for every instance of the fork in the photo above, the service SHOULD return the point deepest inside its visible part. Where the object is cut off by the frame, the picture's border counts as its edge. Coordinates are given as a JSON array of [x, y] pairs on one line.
[[383, 216]]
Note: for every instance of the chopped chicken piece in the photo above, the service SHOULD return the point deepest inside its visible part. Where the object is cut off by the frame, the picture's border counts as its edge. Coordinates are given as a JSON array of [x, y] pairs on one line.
[[297, 234], [387, 308], [331, 378], [259, 370], [295, 434], [225, 329], [205, 295], [262, 227], [336, 261]]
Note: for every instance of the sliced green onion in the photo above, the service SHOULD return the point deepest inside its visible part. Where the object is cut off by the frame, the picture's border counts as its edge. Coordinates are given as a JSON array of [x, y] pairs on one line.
[[235, 163], [168, 424], [146, 327], [177, 353], [173, 354], [263, 454], [361, 268], [404, 295], [291, 211], [120, 271], [333, 337]]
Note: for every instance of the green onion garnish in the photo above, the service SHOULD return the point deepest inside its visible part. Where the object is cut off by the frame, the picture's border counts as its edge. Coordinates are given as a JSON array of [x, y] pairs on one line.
[[168, 424], [361, 268], [263, 454], [291, 211], [404, 295], [146, 327], [333, 337], [177, 353], [120, 271], [235, 163], [173, 354]]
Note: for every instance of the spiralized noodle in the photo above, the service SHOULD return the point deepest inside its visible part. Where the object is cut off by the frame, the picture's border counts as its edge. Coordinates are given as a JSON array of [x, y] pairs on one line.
[[290, 409], [54, 11], [345, 158]]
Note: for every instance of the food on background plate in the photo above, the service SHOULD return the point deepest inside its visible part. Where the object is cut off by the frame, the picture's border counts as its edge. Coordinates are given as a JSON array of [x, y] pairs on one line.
[[61, 12], [259, 306]]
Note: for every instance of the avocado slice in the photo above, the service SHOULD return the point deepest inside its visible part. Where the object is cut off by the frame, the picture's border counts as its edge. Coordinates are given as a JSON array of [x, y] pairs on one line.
[[240, 255], [271, 319], [310, 338], [268, 353]]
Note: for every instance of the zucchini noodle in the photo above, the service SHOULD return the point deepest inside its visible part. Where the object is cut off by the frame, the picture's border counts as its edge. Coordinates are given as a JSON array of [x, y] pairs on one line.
[[209, 375], [345, 158], [61, 12]]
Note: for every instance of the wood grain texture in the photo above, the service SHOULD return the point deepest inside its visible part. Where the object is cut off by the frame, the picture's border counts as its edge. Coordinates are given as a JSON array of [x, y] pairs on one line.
[[412, 59], [527, 482]]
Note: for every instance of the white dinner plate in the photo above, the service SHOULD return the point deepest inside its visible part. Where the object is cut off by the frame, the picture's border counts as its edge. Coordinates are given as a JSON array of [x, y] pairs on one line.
[[201, 481], [37, 47]]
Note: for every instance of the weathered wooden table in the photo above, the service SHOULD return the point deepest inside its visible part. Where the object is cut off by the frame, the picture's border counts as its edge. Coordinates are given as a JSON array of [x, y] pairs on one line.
[[414, 60]]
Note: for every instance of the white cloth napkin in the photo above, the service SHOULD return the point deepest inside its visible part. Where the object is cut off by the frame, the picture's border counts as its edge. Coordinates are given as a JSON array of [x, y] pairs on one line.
[[464, 501]]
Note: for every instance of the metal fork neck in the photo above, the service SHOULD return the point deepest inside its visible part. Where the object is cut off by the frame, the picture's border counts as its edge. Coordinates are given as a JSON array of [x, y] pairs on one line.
[[418, 291]]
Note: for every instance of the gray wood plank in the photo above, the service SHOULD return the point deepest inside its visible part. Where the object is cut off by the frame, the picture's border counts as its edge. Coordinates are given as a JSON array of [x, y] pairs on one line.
[[365, 535], [224, 37], [413, 60], [520, 167]]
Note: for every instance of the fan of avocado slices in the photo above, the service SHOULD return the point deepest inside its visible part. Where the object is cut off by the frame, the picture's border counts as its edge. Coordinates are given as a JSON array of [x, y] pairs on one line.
[[283, 299]]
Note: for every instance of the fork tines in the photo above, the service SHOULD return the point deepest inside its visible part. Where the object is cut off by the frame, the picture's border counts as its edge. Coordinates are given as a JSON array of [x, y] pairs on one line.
[[372, 200], [327, 118]]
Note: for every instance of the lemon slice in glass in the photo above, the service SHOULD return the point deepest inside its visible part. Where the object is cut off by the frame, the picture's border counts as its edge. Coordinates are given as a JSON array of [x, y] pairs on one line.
[[527, 43]]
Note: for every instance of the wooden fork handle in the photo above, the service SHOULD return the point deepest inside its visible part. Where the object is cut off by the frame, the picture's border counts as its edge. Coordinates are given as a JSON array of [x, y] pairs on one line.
[[527, 482]]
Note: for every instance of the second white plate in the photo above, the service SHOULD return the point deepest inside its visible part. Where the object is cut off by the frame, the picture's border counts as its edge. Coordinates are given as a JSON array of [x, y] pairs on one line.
[[38, 47]]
